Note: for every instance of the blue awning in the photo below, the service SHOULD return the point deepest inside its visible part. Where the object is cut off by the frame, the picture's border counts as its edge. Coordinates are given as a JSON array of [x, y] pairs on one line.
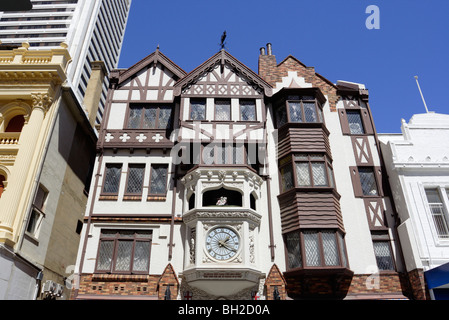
[[438, 276]]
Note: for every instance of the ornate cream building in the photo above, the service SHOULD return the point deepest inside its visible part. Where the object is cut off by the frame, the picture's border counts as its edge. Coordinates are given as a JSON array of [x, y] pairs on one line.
[[46, 150]]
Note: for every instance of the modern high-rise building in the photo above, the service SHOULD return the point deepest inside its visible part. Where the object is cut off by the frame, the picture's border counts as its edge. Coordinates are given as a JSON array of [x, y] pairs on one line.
[[92, 29]]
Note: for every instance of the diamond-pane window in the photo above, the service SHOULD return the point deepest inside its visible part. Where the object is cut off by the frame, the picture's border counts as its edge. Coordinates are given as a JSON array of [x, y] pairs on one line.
[[295, 111], [141, 256], [312, 249], [105, 255], [135, 114], [303, 174], [355, 122], [135, 179], [197, 109], [313, 170], [293, 245], [383, 255], [247, 110], [287, 177], [310, 112], [164, 117], [112, 179], [149, 117], [158, 181], [319, 174], [368, 181], [124, 251], [330, 249], [222, 110], [149, 120]]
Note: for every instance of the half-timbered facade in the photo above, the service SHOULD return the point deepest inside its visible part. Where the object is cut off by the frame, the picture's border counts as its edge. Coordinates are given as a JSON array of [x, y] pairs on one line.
[[223, 183]]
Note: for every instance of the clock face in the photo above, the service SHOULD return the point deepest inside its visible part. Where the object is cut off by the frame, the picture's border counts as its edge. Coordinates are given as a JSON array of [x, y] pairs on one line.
[[222, 243]]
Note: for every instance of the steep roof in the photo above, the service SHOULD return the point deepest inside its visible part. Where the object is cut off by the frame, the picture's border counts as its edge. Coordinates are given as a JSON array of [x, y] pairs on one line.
[[153, 58], [221, 58]]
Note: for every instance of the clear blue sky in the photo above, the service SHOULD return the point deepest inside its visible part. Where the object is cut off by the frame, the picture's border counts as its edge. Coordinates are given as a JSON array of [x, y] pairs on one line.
[[329, 35]]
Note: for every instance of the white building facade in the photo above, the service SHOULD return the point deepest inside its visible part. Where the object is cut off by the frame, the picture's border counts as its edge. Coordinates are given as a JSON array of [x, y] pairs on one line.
[[93, 30], [417, 162]]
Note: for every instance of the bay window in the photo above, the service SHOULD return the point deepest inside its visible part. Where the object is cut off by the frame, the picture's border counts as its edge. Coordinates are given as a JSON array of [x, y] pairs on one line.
[[315, 248], [299, 109]]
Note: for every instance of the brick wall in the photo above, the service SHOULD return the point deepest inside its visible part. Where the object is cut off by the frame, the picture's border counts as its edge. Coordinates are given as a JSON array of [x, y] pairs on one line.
[[275, 279], [273, 73]]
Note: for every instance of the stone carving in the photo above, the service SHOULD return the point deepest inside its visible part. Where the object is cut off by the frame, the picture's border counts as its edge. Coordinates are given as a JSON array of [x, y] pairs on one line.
[[41, 101]]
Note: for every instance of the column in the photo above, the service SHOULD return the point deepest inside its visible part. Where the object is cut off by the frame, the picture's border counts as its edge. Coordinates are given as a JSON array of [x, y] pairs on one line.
[[10, 202]]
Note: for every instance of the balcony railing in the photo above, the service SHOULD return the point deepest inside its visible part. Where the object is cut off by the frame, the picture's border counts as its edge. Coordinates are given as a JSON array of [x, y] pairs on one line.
[[9, 138]]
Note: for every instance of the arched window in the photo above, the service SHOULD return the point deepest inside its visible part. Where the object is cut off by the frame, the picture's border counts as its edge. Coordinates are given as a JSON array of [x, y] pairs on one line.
[[2, 186], [222, 197], [15, 124], [252, 201]]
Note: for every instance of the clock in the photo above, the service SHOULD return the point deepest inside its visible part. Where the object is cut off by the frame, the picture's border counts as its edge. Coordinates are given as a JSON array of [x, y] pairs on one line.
[[222, 243]]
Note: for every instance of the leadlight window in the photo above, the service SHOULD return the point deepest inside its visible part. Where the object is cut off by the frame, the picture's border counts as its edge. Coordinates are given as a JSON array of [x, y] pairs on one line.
[[299, 109], [315, 248], [384, 257], [158, 179], [355, 122], [135, 179], [112, 178], [124, 251], [368, 181], [198, 109], [222, 109], [247, 110], [226, 153], [286, 176], [149, 117], [313, 170], [438, 211]]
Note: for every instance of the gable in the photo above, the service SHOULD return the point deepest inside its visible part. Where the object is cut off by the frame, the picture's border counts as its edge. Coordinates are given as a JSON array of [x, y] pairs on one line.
[[151, 79], [222, 74]]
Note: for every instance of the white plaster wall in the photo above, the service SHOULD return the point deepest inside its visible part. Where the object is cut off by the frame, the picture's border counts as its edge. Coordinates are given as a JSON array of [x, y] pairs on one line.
[[358, 239]]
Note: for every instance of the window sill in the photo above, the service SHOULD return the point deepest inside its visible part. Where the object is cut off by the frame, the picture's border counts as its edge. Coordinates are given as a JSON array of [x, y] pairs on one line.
[[160, 198], [108, 197], [132, 198]]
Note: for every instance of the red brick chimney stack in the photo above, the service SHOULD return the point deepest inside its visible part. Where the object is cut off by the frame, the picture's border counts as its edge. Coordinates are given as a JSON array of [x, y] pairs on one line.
[[267, 65]]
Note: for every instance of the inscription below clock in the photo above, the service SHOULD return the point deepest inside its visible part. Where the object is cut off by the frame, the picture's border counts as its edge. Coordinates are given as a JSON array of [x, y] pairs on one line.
[[222, 243]]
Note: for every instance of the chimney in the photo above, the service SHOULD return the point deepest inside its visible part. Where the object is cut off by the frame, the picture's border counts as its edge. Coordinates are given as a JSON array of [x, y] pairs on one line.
[[93, 90], [267, 65]]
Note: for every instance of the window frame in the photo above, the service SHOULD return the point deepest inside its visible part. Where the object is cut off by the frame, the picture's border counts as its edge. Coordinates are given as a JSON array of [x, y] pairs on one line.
[[297, 98], [339, 242], [253, 102], [143, 107], [156, 165], [229, 103], [362, 124], [37, 213], [443, 194], [205, 108], [120, 237], [293, 160], [111, 194], [373, 171], [391, 256], [130, 195]]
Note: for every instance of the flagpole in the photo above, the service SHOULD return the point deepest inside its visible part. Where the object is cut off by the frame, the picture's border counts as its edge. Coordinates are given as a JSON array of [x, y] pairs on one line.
[[422, 97]]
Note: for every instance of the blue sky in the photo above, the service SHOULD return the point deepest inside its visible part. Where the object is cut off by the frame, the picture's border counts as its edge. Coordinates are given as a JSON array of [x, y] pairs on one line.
[[329, 35]]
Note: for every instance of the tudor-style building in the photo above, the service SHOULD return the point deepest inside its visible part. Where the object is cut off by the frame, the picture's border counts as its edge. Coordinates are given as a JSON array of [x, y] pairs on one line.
[[225, 183]]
